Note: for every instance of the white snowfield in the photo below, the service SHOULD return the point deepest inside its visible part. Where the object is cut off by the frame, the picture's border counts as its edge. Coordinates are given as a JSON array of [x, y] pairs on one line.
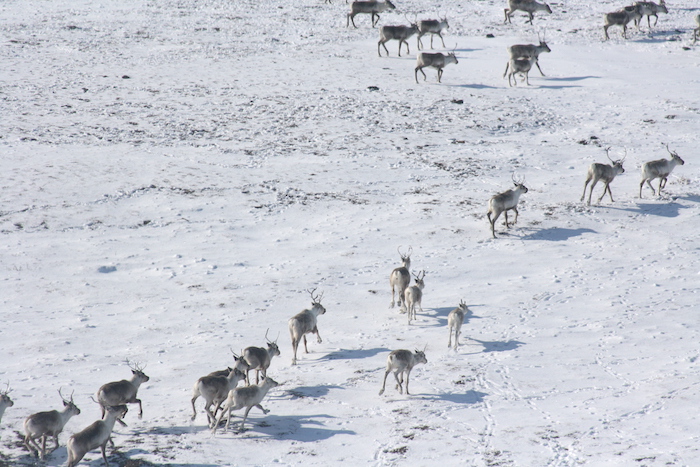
[[176, 174]]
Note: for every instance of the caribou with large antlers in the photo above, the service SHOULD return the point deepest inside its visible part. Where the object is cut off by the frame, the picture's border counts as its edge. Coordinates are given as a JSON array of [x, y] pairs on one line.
[[304, 323], [122, 392]]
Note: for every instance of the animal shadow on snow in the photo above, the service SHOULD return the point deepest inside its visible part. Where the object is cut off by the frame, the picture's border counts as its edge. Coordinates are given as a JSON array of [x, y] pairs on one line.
[[125, 459], [310, 391], [349, 354], [469, 397], [289, 427], [556, 234], [669, 209], [497, 346]]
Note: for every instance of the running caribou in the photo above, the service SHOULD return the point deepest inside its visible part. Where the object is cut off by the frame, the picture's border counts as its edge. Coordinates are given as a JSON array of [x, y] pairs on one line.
[[95, 436], [41, 425], [246, 396], [604, 172], [122, 392], [215, 390]]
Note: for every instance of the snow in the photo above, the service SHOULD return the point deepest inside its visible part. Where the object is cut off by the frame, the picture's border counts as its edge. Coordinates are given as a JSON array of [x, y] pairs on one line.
[[178, 174]]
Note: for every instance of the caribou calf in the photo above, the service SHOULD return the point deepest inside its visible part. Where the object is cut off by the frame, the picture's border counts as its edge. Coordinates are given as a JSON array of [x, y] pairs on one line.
[[402, 362], [369, 7], [454, 321], [527, 6], [45, 424], [399, 33], [94, 436], [504, 202], [527, 51], [660, 169], [413, 296], [520, 66], [122, 392], [247, 396], [304, 323], [214, 389], [604, 172], [433, 60]]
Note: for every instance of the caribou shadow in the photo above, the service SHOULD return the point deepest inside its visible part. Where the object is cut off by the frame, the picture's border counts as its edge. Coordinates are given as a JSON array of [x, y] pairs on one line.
[[348, 354], [291, 427], [310, 391], [556, 234], [469, 397], [498, 346]]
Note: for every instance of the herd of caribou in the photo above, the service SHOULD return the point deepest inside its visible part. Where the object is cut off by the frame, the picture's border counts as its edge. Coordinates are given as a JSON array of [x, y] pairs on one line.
[[521, 56], [220, 389], [606, 173]]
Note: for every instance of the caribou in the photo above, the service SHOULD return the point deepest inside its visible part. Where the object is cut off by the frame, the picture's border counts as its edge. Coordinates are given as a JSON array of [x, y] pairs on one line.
[[454, 322], [304, 323], [399, 33], [259, 358], [400, 278], [214, 389], [402, 362], [5, 400], [650, 9], [369, 7], [95, 436], [248, 397], [604, 172], [433, 27], [504, 202], [527, 51], [413, 296], [527, 6], [433, 60], [41, 425], [122, 392], [621, 18], [520, 66], [696, 31], [660, 169]]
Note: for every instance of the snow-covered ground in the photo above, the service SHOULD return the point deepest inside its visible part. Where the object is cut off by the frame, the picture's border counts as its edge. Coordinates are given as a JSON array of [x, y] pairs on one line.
[[178, 173]]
